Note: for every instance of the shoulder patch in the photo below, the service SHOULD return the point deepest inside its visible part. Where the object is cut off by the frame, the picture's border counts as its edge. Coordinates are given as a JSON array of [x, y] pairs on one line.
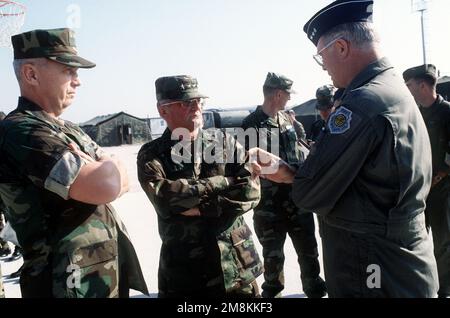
[[340, 121]]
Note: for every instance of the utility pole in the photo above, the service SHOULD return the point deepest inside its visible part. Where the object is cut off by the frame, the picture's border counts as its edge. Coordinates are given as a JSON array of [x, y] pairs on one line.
[[421, 6]]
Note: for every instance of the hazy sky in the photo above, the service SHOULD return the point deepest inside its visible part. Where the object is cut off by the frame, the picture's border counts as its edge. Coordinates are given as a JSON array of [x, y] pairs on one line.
[[229, 45]]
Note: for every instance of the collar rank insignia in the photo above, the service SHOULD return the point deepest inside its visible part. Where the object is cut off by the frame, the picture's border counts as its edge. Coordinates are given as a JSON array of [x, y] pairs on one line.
[[339, 121]]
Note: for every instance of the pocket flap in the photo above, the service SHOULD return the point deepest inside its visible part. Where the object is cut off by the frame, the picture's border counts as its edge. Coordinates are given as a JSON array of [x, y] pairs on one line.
[[95, 253]]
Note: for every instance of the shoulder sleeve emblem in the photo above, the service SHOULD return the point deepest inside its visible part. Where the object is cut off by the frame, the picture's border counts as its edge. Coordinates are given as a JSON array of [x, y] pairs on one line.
[[340, 121]]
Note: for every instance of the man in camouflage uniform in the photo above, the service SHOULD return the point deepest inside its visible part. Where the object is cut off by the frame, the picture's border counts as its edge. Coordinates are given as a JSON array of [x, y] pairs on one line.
[[207, 249], [421, 81], [325, 106], [276, 214], [56, 182]]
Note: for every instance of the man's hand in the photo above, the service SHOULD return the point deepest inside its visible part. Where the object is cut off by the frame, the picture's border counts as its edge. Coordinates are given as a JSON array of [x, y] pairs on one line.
[[270, 167], [106, 173]]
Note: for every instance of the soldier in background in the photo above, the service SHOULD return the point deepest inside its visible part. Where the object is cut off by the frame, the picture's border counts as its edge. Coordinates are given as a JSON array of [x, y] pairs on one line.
[[57, 183], [207, 249], [421, 81], [276, 215], [325, 106]]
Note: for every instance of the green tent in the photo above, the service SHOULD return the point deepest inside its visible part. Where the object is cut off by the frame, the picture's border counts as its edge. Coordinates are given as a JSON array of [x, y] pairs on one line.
[[117, 129]]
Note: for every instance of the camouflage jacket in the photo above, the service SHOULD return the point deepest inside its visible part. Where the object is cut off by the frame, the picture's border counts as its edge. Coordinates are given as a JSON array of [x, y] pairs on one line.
[[61, 238], [289, 150], [204, 255]]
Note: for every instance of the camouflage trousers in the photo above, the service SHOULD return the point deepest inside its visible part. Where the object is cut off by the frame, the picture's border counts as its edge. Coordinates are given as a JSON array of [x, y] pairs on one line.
[[249, 291], [272, 233], [438, 218]]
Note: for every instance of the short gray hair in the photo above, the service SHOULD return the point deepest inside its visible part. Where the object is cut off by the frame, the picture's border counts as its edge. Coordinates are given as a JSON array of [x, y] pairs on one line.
[[17, 64], [269, 91], [361, 34]]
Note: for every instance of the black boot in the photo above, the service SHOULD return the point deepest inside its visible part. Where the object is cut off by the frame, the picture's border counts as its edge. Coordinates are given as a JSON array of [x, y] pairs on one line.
[[315, 288]]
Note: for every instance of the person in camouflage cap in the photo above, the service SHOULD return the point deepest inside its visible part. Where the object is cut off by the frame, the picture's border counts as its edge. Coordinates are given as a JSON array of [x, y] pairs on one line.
[[207, 248], [279, 81], [325, 106], [57, 183], [325, 97], [276, 215], [57, 45]]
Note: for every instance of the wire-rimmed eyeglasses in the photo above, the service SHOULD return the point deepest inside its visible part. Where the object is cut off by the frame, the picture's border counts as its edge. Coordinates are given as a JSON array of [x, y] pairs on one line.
[[318, 57], [189, 103]]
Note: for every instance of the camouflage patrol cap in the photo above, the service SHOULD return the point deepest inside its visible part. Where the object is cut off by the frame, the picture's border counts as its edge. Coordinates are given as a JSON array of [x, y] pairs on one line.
[[278, 81], [325, 97], [422, 71], [57, 45], [177, 88]]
